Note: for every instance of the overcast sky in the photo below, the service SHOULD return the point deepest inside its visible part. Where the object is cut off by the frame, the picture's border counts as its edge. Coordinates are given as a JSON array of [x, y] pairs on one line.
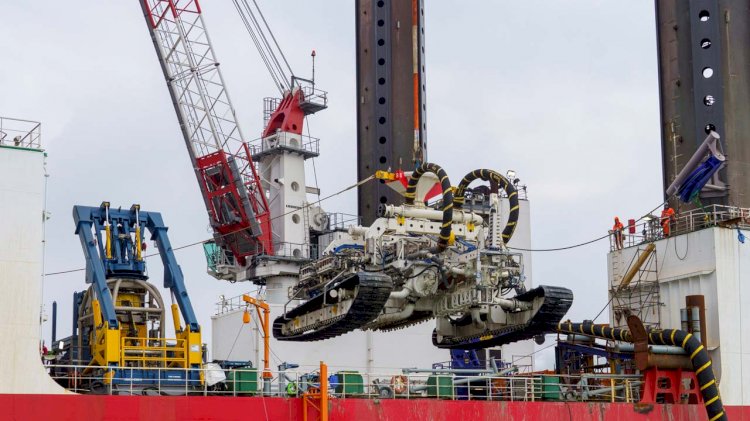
[[565, 93]]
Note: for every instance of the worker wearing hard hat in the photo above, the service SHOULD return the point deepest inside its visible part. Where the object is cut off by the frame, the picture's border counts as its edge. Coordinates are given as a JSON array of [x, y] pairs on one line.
[[667, 217], [617, 233]]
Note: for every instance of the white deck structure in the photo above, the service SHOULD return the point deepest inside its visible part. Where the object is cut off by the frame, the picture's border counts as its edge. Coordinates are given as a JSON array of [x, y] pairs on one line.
[[700, 258], [22, 189]]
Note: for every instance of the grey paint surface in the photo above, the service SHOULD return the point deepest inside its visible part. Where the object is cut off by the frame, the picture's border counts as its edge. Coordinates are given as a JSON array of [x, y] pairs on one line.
[[682, 85], [385, 98]]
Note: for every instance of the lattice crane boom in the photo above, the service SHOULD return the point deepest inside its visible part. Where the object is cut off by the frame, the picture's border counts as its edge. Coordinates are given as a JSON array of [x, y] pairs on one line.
[[231, 189]]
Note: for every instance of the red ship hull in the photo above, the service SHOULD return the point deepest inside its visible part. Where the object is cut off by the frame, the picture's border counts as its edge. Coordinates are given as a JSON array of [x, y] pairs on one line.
[[78, 407]]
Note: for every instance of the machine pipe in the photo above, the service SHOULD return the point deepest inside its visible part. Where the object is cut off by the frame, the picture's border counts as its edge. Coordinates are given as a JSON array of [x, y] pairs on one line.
[[635, 267], [390, 211], [445, 185], [476, 317], [656, 349], [468, 379], [700, 302], [54, 323], [447, 371], [684, 319], [400, 315], [400, 294], [697, 353], [503, 183], [511, 304], [709, 144], [695, 321]]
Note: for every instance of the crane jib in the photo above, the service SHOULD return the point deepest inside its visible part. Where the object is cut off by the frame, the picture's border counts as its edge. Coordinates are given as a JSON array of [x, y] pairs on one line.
[[232, 191]]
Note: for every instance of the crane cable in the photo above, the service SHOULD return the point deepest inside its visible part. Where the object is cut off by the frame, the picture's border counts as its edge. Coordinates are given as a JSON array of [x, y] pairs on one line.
[[270, 58], [585, 243], [359, 183], [305, 206]]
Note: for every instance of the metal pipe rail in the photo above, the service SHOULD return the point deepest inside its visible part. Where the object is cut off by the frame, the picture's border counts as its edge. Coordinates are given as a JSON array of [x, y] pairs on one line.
[[387, 384], [709, 216]]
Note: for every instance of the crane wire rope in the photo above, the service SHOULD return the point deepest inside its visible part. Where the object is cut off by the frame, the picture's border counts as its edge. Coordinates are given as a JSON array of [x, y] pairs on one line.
[[659, 270], [585, 243], [278, 79], [269, 56], [359, 183], [355, 185], [273, 37], [307, 205], [262, 36]]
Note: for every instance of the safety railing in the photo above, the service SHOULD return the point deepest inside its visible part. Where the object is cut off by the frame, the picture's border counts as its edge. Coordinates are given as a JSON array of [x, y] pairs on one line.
[[228, 305], [295, 250], [347, 384], [284, 141], [20, 133], [340, 221], [650, 229], [142, 352]]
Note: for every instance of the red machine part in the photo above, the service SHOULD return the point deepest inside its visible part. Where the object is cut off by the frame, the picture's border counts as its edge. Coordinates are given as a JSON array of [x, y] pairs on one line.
[[670, 386], [289, 116], [229, 217], [161, 9]]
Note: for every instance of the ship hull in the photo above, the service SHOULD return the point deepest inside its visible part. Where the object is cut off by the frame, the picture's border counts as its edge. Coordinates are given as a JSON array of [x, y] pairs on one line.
[[105, 407]]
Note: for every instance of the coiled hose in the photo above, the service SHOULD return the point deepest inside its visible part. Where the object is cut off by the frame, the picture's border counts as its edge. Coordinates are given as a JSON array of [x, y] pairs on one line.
[[503, 183], [692, 346], [445, 185]]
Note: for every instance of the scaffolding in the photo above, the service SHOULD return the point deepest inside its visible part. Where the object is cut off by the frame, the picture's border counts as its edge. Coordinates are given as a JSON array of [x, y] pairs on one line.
[[638, 296]]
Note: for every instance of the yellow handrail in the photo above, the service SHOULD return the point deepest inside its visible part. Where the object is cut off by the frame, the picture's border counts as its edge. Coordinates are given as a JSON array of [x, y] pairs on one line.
[[149, 350]]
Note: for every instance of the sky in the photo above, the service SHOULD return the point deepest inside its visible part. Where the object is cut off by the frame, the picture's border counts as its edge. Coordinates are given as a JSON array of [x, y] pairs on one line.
[[564, 93]]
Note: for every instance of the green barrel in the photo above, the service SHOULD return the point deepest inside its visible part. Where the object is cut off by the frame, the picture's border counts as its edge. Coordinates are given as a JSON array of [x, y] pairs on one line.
[[550, 388], [440, 387], [349, 383], [243, 381]]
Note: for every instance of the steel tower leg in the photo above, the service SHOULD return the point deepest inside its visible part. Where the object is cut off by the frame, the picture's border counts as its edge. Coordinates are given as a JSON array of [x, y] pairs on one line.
[[704, 83], [391, 108]]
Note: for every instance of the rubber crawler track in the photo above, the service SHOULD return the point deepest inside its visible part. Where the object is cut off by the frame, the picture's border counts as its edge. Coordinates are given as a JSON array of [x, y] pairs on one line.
[[557, 301], [372, 292]]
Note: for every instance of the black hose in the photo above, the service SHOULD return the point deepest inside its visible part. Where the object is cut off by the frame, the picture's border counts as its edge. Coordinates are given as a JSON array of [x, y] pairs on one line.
[[503, 183], [692, 346], [445, 185]]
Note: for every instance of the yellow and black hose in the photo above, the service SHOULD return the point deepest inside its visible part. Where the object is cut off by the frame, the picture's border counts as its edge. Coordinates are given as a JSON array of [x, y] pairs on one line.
[[692, 346], [445, 185], [503, 183]]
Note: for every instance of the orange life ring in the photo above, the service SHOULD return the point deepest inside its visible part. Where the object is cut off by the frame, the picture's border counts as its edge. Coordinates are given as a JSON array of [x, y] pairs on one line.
[[399, 383]]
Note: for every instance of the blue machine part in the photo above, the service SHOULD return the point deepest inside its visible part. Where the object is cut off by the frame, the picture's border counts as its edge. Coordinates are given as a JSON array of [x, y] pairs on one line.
[[348, 247], [465, 359], [145, 377], [469, 247], [698, 179], [91, 222]]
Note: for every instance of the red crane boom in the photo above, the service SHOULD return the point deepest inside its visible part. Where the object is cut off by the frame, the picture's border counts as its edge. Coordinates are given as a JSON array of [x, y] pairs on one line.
[[234, 197]]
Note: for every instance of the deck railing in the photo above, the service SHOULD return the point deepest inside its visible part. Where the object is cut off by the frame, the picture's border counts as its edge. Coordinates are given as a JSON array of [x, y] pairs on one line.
[[19, 133], [649, 228], [346, 384]]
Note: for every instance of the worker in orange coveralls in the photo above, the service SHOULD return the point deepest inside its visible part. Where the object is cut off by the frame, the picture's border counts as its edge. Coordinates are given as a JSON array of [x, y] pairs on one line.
[[617, 232], [667, 217]]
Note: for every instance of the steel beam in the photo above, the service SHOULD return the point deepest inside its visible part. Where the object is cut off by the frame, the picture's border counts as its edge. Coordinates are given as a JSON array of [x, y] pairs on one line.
[[704, 83], [390, 95]]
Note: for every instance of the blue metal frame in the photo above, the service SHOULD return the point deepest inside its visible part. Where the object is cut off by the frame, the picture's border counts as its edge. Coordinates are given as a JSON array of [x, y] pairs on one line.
[[90, 224]]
